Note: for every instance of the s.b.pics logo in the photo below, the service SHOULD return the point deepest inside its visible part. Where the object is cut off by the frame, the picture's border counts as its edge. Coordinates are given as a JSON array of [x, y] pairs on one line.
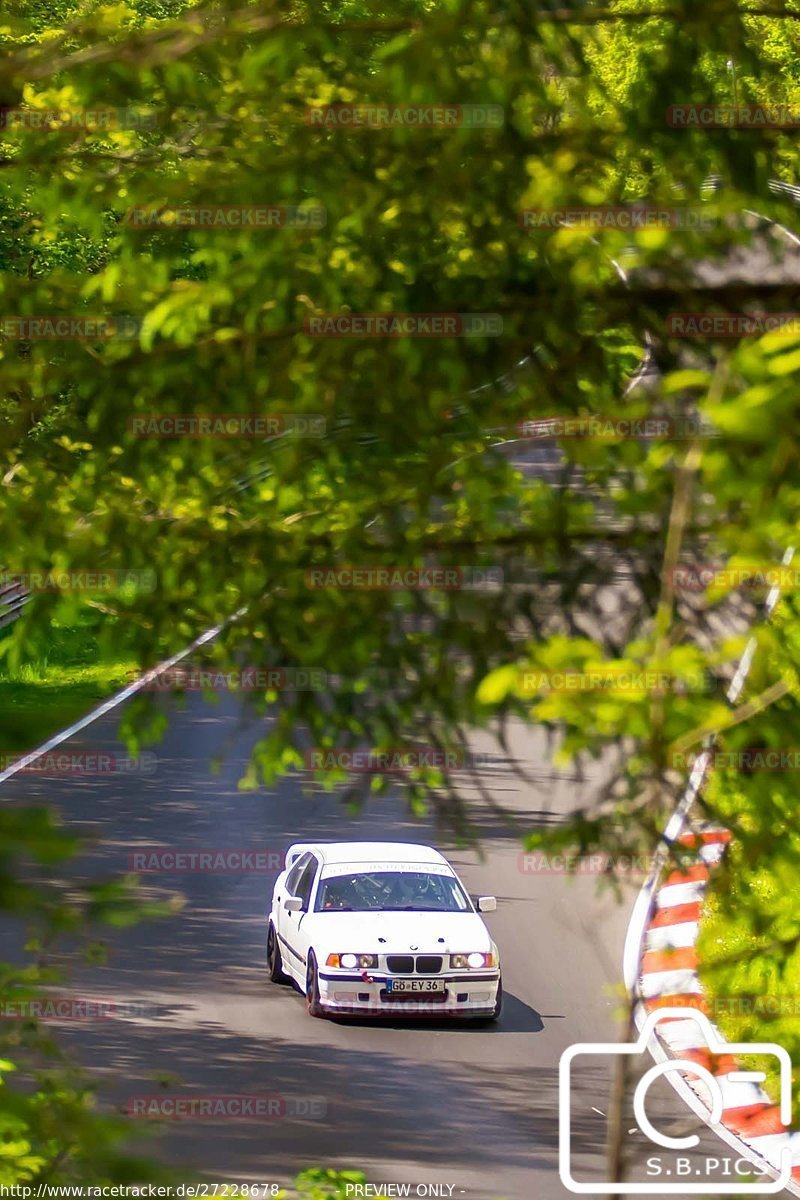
[[721, 1092]]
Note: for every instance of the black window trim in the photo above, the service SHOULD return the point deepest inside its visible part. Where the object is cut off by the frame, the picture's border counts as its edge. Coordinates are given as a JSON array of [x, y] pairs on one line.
[[313, 862], [299, 866]]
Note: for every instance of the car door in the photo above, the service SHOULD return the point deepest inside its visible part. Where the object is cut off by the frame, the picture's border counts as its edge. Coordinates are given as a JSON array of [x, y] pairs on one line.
[[305, 890], [286, 922]]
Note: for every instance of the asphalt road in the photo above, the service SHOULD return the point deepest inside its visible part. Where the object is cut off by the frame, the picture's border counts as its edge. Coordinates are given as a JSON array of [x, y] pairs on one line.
[[474, 1110]]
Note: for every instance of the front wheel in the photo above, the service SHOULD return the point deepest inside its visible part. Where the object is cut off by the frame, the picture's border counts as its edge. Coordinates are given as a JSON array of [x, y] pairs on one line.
[[313, 1003], [498, 1004], [274, 960], [491, 1017]]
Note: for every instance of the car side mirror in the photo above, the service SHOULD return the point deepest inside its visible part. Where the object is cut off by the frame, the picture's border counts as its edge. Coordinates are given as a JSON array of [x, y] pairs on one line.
[[293, 904], [486, 903]]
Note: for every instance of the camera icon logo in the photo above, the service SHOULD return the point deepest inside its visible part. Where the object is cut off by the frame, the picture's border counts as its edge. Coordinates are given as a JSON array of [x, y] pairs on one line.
[[722, 1091]]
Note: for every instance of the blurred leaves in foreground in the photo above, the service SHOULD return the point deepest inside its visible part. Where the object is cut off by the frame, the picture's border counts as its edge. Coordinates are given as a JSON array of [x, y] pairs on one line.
[[411, 470]]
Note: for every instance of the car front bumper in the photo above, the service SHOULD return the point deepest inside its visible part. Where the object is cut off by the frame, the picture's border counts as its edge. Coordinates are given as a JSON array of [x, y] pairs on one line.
[[365, 994]]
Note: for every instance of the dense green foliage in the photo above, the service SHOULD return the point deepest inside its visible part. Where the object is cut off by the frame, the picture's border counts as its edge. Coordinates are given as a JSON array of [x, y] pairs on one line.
[[418, 220]]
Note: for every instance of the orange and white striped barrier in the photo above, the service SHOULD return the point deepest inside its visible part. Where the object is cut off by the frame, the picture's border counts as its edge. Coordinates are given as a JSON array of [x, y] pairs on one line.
[[664, 930]]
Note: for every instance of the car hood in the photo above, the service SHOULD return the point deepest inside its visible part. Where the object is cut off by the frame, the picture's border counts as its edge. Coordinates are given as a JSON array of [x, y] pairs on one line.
[[359, 932]]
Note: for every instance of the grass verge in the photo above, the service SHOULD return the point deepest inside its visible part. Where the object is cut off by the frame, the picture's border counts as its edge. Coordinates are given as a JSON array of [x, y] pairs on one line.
[[52, 690]]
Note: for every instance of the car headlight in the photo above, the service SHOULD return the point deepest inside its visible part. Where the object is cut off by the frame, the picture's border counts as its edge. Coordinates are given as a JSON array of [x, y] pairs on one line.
[[474, 961], [352, 960]]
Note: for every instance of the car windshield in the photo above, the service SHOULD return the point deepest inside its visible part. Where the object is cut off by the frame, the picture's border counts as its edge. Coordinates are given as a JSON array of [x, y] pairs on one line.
[[391, 891]]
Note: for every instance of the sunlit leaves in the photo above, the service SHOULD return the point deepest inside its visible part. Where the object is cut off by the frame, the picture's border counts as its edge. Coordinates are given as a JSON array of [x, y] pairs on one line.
[[408, 473]]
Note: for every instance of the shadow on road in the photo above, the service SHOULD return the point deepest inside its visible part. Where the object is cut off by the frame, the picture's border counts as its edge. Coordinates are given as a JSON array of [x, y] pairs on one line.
[[517, 1017], [402, 1097], [408, 1097]]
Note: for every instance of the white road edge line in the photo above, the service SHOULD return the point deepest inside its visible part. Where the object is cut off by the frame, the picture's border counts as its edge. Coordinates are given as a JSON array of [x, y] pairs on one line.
[[118, 698]]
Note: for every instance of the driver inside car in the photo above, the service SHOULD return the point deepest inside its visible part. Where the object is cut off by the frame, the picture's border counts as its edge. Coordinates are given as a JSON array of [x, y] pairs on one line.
[[414, 891], [339, 894]]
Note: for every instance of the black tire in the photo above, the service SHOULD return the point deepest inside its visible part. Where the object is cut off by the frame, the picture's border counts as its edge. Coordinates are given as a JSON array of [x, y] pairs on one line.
[[498, 1004], [274, 960], [491, 1017], [313, 1004]]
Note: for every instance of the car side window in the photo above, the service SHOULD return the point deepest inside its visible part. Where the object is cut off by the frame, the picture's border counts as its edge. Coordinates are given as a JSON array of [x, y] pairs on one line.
[[294, 874], [306, 881]]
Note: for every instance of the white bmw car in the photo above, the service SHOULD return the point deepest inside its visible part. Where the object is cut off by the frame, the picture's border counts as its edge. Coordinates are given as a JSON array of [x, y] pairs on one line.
[[381, 929]]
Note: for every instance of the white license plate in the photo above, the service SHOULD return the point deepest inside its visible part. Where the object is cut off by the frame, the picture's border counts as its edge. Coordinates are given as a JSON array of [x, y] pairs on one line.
[[415, 985]]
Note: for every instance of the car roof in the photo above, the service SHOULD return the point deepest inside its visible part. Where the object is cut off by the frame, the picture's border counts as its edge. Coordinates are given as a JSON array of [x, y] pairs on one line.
[[370, 852]]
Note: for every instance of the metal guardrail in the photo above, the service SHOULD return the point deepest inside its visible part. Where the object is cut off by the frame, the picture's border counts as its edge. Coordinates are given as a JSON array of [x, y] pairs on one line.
[[13, 598]]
